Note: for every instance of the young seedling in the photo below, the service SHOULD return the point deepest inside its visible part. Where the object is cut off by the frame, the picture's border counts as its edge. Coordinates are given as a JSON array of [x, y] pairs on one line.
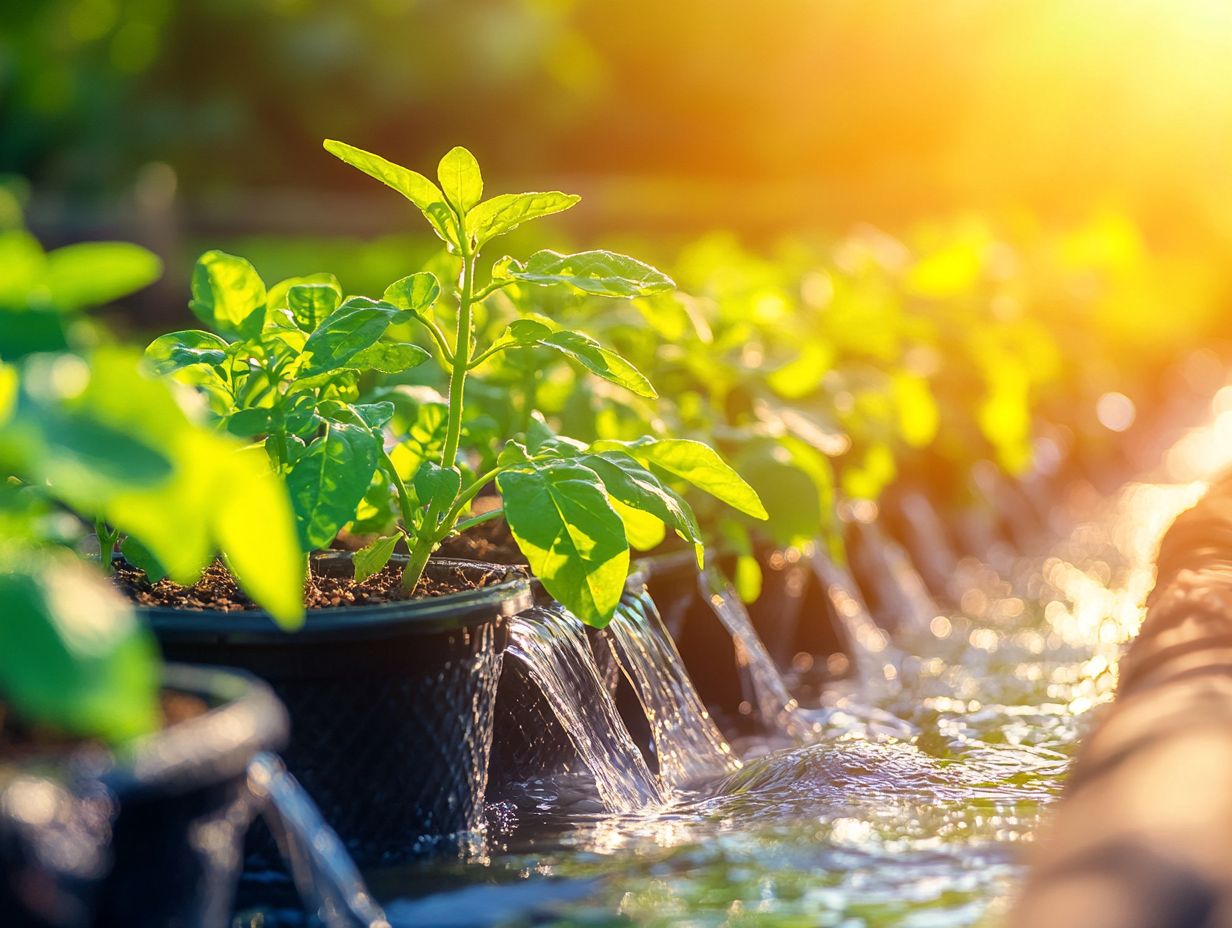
[[569, 505]]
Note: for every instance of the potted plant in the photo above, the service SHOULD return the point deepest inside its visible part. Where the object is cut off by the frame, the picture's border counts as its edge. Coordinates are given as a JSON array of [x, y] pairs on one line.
[[109, 763], [397, 685]]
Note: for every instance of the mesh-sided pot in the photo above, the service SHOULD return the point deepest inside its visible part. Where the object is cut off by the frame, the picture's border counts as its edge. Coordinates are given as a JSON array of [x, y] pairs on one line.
[[152, 839], [391, 705]]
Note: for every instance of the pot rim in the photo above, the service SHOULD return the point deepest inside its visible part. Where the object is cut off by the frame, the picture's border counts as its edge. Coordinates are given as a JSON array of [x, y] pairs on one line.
[[243, 718], [424, 615]]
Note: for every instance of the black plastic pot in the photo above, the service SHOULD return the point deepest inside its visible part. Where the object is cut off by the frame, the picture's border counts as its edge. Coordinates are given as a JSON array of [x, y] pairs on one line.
[[152, 839], [391, 705]]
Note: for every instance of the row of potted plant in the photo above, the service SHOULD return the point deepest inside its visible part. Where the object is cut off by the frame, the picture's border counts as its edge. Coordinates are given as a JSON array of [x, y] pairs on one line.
[[305, 460]]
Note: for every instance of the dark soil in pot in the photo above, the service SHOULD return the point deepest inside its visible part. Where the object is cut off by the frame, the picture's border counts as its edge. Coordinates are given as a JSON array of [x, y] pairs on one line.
[[391, 700], [91, 838]]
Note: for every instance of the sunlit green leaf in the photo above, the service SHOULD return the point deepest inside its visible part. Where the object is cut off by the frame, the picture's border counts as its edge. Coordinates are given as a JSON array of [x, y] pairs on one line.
[[633, 485], [356, 325], [176, 350], [918, 415], [603, 273], [329, 480], [412, 185], [96, 273], [415, 293], [506, 212], [311, 304], [389, 357], [256, 531], [573, 540], [584, 350], [694, 463], [460, 179], [642, 529], [228, 295], [72, 653], [371, 559]]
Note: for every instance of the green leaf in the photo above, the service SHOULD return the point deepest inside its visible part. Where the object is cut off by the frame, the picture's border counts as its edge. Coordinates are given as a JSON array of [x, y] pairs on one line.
[[603, 273], [460, 179], [329, 480], [371, 559], [790, 495], [56, 436], [866, 471], [748, 579], [415, 293], [228, 295], [412, 185], [918, 414], [246, 423], [642, 529], [297, 415], [277, 298], [585, 350], [694, 463], [356, 325], [96, 273], [632, 484], [573, 539], [389, 357], [256, 531], [311, 304], [143, 559], [72, 653], [506, 212], [374, 415], [436, 487], [176, 350]]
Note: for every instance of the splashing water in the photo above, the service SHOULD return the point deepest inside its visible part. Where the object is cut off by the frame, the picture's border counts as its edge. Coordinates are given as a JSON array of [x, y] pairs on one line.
[[551, 644], [776, 707], [325, 876], [876, 661], [929, 549], [913, 591], [688, 743], [899, 591]]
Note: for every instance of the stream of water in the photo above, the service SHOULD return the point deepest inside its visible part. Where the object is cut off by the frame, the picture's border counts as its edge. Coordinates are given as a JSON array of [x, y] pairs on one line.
[[551, 644], [689, 747]]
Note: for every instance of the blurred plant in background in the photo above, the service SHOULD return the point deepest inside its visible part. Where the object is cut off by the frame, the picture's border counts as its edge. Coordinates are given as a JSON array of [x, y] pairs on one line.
[[92, 446]]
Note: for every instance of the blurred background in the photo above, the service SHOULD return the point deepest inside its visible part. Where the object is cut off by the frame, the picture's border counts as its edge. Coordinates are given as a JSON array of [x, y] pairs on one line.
[[194, 124]]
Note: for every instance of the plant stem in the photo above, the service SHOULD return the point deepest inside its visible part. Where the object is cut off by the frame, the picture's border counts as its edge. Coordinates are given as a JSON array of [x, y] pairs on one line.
[[465, 524], [439, 337], [107, 538], [421, 550], [464, 499], [461, 358]]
